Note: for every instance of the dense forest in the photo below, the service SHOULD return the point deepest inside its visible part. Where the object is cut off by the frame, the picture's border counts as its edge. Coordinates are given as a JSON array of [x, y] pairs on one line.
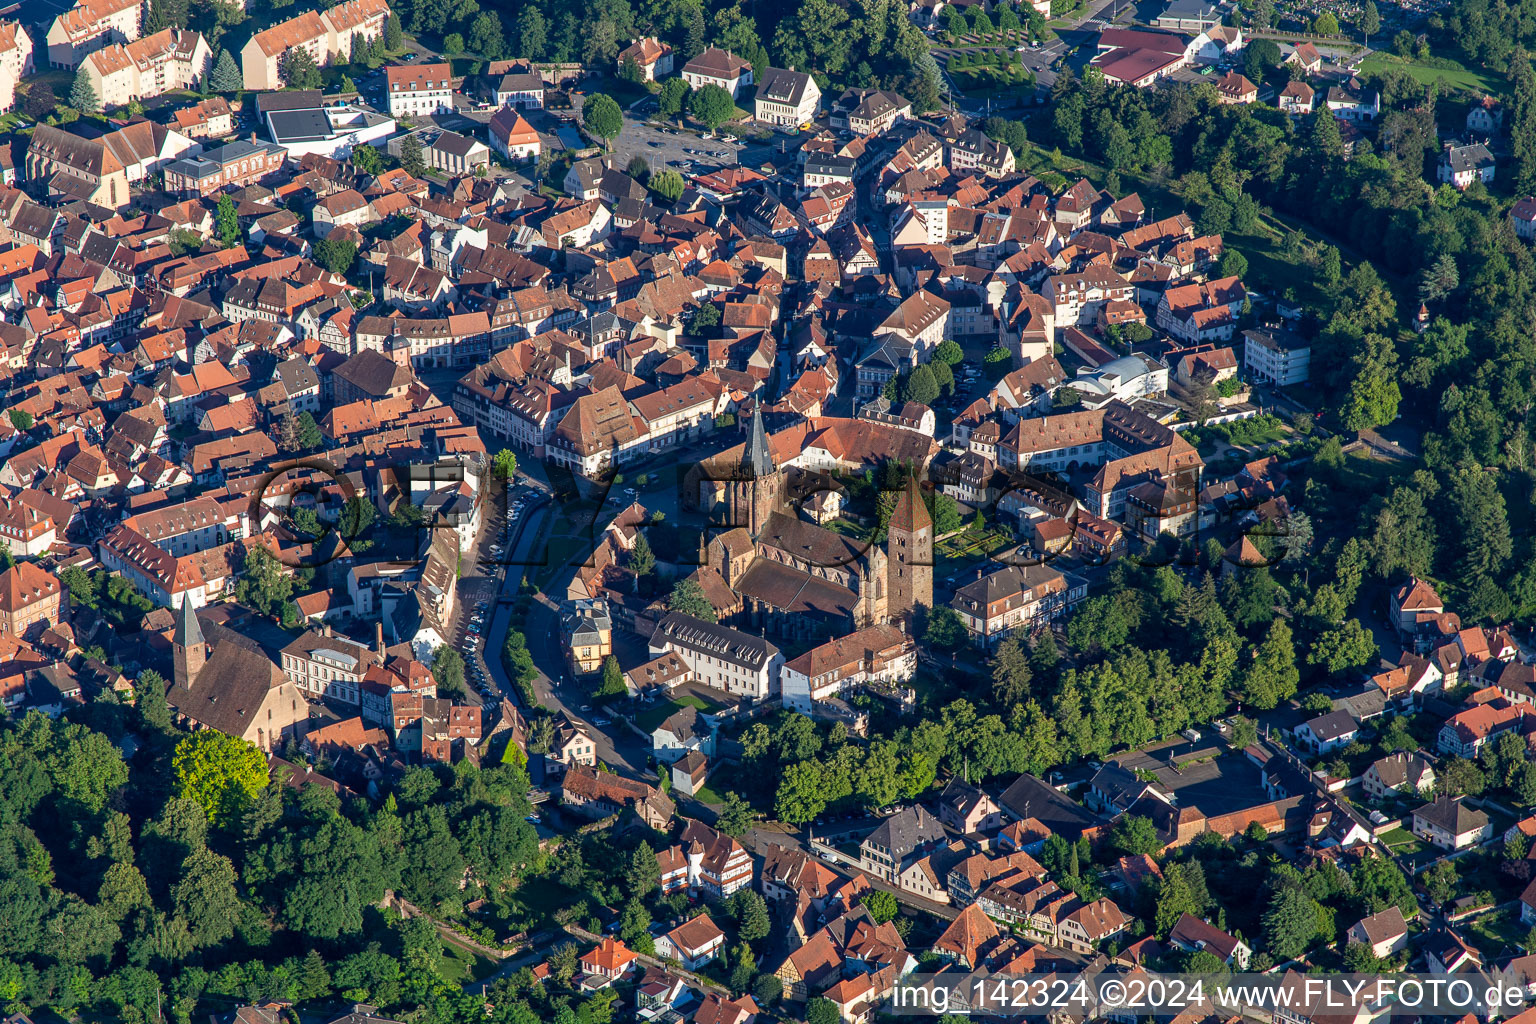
[[145, 870]]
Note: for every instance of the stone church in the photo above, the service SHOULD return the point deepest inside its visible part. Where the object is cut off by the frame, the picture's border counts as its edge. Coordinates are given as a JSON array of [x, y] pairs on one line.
[[798, 579]]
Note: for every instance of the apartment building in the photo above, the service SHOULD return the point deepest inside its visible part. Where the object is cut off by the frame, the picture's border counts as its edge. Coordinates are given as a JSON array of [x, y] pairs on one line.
[[875, 654], [326, 35], [706, 862], [1277, 356], [29, 594], [326, 666], [786, 99], [720, 657], [89, 26], [15, 60], [419, 90], [170, 59], [994, 606]]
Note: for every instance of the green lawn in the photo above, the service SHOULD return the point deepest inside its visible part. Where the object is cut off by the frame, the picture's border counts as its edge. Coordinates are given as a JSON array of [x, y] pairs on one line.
[[1459, 78], [647, 721], [709, 796], [459, 965], [1497, 932]]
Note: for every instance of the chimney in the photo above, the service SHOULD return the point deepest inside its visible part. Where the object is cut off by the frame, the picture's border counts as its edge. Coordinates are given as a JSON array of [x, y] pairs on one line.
[[378, 637]]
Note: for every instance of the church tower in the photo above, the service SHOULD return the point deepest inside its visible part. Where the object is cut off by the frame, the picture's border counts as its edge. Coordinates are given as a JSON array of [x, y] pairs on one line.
[[909, 554], [188, 647], [755, 490]]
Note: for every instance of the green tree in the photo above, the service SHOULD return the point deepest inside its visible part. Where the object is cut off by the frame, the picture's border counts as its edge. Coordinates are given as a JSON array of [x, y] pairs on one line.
[[394, 36], [921, 387], [822, 1010], [642, 560], [82, 95], [223, 774], [1010, 672], [1325, 24], [226, 225], [712, 106], [485, 35], [1135, 834], [1370, 21], [688, 597], [945, 630], [448, 670], [1344, 648], [367, 160], [225, 76], [149, 698], [612, 684], [672, 97], [411, 160], [504, 464], [1272, 677], [206, 898], [299, 70], [801, 795], [882, 906], [336, 254], [1290, 923], [532, 33], [949, 352], [21, 419], [735, 816], [453, 43], [603, 118], [767, 990], [264, 583], [1441, 882], [668, 184], [751, 914]]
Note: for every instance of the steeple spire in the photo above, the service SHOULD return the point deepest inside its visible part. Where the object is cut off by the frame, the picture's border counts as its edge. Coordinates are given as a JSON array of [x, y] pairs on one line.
[[188, 631], [757, 460]]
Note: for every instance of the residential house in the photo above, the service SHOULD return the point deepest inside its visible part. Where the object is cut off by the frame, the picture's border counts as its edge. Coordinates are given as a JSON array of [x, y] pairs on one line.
[[31, 600], [651, 56], [1450, 824], [719, 67], [681, 733], [994, 606], [1327, 733], [967, 809], [1400, 774], [1194, 935], [611, 960], [693, 943], [1462, 164], [513, 137], [1385, 932]]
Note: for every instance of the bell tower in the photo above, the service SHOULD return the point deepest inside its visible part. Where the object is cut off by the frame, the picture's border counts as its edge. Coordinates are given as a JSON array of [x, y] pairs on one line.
[[909, 554], [756, 488], [188, 648]]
